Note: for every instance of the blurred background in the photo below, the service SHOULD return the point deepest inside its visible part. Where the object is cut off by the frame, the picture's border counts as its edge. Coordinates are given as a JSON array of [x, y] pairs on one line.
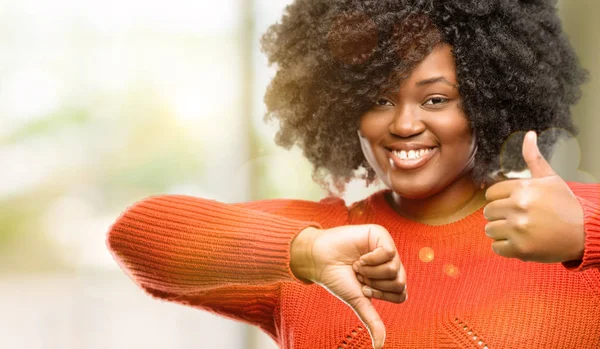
[[103, 103]]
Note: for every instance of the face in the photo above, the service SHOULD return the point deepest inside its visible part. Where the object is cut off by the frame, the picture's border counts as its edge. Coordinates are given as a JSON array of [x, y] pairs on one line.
[[418, 139]]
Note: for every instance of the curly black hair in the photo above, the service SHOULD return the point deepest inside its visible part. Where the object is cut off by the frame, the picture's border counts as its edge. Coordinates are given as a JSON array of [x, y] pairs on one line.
[[515, 67]]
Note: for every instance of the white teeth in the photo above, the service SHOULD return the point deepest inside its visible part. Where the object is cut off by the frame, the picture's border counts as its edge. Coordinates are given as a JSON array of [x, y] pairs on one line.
[[411, 154]]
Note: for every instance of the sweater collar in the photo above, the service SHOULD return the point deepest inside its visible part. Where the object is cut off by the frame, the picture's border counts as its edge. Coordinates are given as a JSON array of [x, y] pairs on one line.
[[385, 215]]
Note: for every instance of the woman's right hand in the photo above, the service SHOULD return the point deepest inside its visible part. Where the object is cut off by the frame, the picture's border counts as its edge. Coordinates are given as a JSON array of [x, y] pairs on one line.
[[354, 263]]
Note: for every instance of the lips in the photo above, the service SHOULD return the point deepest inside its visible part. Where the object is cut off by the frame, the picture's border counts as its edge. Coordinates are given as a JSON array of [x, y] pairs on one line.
[[408, 163], [409, 146]]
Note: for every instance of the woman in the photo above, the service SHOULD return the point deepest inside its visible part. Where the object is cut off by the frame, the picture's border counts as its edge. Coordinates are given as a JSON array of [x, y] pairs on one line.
[[424, 96]]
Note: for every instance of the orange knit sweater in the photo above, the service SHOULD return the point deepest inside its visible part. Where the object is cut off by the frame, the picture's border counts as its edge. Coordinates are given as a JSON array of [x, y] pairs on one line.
[[233, 260]]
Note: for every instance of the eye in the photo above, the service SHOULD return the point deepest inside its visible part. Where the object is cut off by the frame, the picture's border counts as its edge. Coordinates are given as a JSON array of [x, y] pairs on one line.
[[436, 101], [383, 102]]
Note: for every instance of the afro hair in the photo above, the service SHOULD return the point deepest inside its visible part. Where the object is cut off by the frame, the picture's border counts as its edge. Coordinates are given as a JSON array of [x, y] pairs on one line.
[[516, 71]]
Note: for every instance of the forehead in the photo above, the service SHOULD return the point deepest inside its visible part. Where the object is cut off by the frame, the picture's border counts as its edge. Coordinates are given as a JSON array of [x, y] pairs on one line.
[[439, 63]]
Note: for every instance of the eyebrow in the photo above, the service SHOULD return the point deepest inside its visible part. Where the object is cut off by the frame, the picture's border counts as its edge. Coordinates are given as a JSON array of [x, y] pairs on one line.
[[435, 80]]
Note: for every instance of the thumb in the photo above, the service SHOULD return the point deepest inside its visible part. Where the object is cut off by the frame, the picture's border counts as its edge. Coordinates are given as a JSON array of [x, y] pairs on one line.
[[537, 164], [366, 312]]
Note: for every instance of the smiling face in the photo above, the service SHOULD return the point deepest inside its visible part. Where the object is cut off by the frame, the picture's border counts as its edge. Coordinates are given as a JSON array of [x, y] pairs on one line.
[[418, 139]]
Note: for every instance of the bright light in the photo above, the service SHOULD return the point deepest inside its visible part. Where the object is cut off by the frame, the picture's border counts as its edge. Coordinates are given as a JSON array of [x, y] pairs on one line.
[[28, 94]]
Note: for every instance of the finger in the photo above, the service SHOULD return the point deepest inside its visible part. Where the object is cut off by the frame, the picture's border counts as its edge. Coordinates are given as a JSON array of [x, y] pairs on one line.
[[504, 248], [503, 190], [497, 230], [498, 209], [366, 312], [392, 297], [537, 164], [380, 255], [387, 271], [395, 286], [381, 242]]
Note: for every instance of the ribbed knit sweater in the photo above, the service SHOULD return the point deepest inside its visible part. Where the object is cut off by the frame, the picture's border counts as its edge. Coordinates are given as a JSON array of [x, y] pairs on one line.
[[233, 260]]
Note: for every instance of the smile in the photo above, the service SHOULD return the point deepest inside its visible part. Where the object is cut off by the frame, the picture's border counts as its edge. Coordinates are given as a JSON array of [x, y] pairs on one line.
[[411, 159]]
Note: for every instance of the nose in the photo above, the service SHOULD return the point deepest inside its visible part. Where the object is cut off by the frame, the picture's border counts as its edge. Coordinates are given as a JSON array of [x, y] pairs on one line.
[[406, 123]]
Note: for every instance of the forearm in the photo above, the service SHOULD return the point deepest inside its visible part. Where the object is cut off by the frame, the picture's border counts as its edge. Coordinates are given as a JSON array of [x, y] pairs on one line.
[[184, 245], [591, 255], [589, 198]]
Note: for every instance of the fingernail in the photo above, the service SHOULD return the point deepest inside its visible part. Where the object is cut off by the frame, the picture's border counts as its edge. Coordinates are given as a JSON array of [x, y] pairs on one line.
[[362, 262], [355, 267], [367, 291], [360, 278]]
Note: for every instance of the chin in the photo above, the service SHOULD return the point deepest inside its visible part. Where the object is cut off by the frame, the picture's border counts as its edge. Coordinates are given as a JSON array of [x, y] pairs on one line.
[[414, 192]]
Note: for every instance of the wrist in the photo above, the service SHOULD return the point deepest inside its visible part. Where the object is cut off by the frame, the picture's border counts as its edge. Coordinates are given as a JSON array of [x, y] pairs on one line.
[[301, 259], [578, 249]]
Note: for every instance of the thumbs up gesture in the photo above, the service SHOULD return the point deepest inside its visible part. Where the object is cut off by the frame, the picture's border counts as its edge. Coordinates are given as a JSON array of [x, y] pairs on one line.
[[355, 263], [536, 219]]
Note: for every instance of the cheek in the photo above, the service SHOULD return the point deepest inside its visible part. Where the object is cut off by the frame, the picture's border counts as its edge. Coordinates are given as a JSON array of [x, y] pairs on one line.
[[374, 127], [367, 143], [372, 130], [455, 132]]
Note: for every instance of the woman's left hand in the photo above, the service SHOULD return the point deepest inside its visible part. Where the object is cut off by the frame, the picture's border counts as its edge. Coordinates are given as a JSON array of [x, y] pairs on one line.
[[536, 219]]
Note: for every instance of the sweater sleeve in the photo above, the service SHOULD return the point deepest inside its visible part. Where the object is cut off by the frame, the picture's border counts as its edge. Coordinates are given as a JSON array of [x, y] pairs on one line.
[[225, 258], [589, 198]]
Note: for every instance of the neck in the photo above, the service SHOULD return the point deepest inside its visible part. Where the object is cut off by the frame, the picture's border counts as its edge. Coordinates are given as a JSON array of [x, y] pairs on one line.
[[455, 202]]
